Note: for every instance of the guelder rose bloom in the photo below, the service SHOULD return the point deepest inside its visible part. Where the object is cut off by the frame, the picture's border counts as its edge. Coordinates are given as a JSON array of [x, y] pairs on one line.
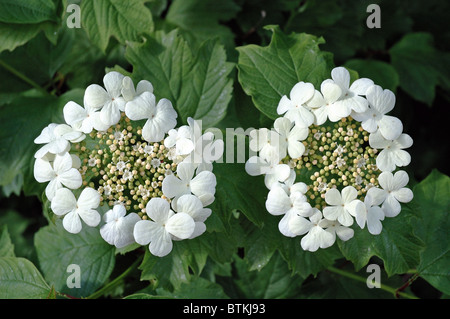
[[163, 226], [331, 160], [120, 163]]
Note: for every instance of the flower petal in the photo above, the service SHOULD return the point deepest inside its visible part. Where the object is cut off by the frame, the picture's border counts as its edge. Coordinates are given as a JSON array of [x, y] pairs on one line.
[[74, 114], [141, 107], [63, 202], [299, 225], [376, 140], [204, 183], [403, 195], [391, 206], [71, 178], [341, 76], [173, 186], [348, 194], [143, 230], [385, 161], [110, 113], [301, 93], [331, 91], [333, 197], [95, 96], [158, 210], [390, 127], [180, 225], [284, 105], [113, 83], [360, 86], [381, 100], [278, 201], [124, 236], [89, 198], [43, 171], [72, 222], [90, 216], [162, 244]]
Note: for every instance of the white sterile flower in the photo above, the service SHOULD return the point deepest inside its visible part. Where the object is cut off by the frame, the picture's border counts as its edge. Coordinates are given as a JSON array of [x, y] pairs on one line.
[[193, 206], [163, 226], [180, 139], [294, 107], [274, 172], [160, 118], [316, 237], [293, 205], [109, 101], [322, 103], [290, 186], [65, 204], [59, 173], [203, 185], [350, 99], [269, 143], [56, 138], [342, 205], [392, 192], [393, 154], [279, 202], [207, 150], [118, 227], [292, 135], [83, 119], [129, 92], [380, 102], [335, 228], [371, 214]]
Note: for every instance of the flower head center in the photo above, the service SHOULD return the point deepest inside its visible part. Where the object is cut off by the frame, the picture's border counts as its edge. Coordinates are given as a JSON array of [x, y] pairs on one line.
[[338, 155], [123, 167]]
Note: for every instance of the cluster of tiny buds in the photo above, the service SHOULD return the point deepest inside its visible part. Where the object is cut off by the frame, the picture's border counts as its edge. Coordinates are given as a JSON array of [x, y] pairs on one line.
[[336, 156], [123, 167]]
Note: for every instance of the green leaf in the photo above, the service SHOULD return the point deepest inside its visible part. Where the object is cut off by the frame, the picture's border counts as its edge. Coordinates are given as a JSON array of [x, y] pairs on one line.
[[199, 288], [202, 18], [16, 35], [195, 81], [57, 249], [431, 204], [397, 245], [17, 225], [233, 192], [20, 279], [27, 12], [420, 66], [268, 73], [306, 263], [274, 281], [44, 60], [126, 21], [185, 262], [6, 246], [380, 72]]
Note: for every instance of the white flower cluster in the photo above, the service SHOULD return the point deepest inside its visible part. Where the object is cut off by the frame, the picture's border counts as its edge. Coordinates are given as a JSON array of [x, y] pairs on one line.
[[330, 160], [157, 171]]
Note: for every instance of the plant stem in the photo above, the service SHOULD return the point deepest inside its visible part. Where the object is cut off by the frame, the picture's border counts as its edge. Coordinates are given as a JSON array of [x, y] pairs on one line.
[[22, 76], [353, 276], [115, 281]]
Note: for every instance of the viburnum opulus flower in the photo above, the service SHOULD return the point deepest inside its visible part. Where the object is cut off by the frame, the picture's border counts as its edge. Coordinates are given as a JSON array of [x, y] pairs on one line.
[[119, 163], [331, 159]]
